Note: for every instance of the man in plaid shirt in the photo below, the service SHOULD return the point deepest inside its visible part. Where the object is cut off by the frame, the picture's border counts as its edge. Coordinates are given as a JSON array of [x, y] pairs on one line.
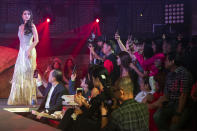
[[131, 115], [177, 88]]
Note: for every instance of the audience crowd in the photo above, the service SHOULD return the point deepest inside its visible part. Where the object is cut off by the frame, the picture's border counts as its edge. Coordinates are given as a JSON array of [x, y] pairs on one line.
[[148, 84]]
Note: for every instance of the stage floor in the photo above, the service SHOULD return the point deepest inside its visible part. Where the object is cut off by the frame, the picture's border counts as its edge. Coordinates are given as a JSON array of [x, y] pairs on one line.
[[14, 118], [3, 104]]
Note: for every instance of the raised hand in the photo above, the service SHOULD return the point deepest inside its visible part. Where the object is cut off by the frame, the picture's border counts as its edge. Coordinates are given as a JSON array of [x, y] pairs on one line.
[[28, 53], [73, 77], [79, 99]]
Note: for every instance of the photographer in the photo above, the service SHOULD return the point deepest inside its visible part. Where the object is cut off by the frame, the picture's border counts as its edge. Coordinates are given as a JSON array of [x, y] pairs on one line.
[[88, 116], [96, 54]]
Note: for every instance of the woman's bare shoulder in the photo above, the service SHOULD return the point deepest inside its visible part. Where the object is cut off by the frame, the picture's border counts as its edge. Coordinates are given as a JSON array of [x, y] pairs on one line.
[[21, 26]]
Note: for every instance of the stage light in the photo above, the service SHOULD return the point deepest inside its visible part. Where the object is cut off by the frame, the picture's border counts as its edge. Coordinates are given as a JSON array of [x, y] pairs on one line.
[[48, 20], [97, 20], [174, 13]]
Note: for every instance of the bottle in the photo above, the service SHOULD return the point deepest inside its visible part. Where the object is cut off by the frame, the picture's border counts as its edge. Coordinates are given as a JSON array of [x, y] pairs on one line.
[[33, 100]]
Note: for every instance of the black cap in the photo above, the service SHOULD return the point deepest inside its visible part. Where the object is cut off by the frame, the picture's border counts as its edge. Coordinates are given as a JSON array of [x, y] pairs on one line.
[[100, 38], [111, 43]]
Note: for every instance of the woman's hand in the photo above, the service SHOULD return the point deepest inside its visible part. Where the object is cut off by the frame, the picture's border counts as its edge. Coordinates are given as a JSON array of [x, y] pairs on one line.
[[78, 111], [79, 100], [73, 77], [28, 53]]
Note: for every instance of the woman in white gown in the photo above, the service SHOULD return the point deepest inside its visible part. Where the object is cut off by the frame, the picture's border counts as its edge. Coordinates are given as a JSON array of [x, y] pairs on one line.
[[23, 84]]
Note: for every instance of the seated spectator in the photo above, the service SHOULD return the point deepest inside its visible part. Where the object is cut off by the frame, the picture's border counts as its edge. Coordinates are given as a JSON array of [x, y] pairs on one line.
[[68, 69], [131, 115], [88, 117], [52, 100]]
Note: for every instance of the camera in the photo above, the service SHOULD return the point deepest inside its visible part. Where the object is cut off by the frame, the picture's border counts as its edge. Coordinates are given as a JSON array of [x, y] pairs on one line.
[[92, 38], [106, 98]]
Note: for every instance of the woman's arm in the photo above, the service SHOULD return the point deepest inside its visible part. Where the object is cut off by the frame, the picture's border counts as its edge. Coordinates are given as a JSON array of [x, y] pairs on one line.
[[121, 45], [71, 85], [35, 36], [93, 53], [132, 66]]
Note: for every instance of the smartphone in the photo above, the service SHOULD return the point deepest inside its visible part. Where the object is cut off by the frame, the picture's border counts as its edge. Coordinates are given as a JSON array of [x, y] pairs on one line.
[[79, 91], [35, 74], [74, 69]]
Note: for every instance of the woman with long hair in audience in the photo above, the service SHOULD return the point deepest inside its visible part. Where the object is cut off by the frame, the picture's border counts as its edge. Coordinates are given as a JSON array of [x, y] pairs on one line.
[[56, 64], [127, 68], [88, 116], [68, 69]]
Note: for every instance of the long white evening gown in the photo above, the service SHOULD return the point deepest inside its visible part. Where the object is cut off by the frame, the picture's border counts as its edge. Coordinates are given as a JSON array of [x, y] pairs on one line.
[[23, 83]]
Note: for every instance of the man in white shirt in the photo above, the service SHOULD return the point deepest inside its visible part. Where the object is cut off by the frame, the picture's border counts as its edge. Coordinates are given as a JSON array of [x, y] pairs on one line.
[[55, 89]]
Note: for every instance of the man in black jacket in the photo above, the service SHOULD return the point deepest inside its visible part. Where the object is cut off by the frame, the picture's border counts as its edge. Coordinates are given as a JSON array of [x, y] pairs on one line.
[[55, 89]]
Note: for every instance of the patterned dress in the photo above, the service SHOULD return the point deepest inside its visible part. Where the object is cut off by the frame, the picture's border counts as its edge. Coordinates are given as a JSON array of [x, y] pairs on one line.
[[23, 83]]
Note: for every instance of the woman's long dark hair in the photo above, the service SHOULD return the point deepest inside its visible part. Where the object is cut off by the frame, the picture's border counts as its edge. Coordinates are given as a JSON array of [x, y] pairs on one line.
[[66, 67], [125, 59], [125, 62], [28, 25], [105, 96], [158, 45], [102, 74], [148, 51]]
